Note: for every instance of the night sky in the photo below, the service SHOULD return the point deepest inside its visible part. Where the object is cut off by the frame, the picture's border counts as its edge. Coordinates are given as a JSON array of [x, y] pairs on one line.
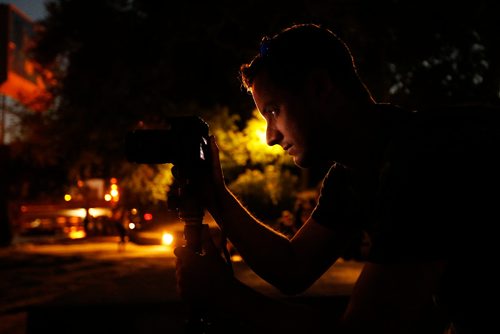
[[34, 9]]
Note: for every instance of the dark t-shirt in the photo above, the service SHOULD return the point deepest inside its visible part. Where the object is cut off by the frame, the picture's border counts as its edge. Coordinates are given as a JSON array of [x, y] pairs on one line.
[[435, 196]]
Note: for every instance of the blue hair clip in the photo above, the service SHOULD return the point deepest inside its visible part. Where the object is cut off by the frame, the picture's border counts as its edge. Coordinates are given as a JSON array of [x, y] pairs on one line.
[[264, 47]]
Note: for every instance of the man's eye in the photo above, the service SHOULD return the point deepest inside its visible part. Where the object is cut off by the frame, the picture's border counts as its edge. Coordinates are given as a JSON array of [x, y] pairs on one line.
[[271, 112]]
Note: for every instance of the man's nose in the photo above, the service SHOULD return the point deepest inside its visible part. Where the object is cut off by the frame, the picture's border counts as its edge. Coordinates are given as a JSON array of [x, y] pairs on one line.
[[273, 136]]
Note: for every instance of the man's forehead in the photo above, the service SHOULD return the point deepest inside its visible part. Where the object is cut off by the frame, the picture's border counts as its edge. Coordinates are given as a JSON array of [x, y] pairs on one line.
[[264, 87]]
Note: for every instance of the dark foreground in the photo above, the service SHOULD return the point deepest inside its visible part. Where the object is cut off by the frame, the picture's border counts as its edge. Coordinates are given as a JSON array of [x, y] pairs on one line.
[[91, 287]]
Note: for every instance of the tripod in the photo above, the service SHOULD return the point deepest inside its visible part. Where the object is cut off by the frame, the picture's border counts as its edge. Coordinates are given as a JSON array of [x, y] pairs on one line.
[[191, 212]]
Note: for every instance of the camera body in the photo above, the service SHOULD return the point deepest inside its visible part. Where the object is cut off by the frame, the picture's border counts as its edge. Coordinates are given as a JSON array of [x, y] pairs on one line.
[[182, 141]]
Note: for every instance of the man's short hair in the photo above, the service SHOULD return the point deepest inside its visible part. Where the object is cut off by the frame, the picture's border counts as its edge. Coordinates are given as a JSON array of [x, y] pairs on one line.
[[290, 55]]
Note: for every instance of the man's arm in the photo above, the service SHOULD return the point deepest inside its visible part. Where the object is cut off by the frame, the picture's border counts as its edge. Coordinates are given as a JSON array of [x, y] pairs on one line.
[[290, 265]]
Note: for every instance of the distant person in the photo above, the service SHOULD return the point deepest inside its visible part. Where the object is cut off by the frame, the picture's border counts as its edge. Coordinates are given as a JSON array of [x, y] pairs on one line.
[[122, 235], [87, 223], [303, 210], [286, 224], [420, 185]]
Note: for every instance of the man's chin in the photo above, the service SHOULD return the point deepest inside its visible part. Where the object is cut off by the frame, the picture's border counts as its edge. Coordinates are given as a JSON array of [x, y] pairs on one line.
[[300, 162], [307, 161]]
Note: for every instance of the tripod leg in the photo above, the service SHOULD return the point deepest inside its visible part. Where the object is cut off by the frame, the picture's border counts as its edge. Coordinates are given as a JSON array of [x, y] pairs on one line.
[[191, 212]]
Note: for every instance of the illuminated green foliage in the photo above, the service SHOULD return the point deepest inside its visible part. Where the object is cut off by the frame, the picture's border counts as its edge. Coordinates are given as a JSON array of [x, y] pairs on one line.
[[260, 175], [266, 192], [147, 184]]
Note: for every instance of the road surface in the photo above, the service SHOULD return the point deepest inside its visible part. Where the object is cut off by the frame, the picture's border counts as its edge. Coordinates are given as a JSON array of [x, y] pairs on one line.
[[51, 281]]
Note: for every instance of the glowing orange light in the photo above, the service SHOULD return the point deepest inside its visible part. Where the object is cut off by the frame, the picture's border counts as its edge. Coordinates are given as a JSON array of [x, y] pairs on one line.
[[167, 239], [236, 258], [76, 234]]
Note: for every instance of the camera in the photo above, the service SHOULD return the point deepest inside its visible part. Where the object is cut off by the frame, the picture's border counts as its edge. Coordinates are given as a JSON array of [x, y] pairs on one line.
[[182, 141]]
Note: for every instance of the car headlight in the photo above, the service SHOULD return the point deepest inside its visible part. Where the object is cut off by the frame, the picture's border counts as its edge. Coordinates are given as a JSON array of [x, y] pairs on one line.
[[167, 239]]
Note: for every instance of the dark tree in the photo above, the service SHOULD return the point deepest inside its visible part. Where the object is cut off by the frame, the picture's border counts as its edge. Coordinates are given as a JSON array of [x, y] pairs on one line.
[[119, 62]]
